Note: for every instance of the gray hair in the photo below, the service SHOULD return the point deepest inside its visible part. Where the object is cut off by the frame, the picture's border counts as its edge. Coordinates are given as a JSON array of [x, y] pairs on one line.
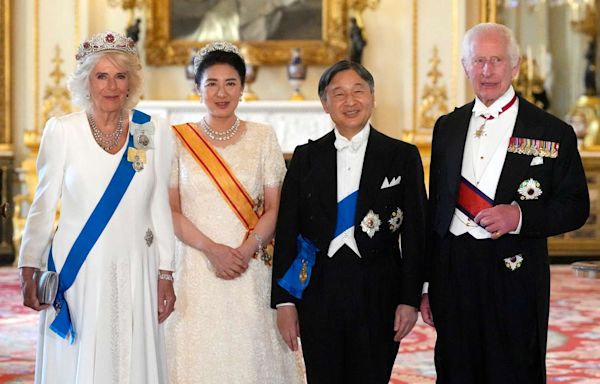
[[79, 81], [340, 66], [488, 29]]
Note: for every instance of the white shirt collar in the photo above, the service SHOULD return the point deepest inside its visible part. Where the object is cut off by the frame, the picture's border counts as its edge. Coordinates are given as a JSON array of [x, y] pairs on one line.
[[357, 140], [493, 110]]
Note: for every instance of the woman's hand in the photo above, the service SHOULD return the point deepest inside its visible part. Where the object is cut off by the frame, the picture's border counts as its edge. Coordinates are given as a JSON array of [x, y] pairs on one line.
[[228, 262], [29, 289], [166, 297]]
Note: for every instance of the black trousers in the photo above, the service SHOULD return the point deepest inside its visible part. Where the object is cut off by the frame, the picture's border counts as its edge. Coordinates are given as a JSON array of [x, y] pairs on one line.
[[487, 317], [347, 318]]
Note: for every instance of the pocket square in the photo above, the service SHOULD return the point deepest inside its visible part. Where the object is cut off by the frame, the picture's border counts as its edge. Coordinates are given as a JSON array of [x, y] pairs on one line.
[[390, 183], [538, 160]]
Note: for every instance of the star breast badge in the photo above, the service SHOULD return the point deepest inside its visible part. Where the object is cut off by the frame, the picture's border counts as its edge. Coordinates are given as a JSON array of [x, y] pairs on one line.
[[370, 223], [529, 189]]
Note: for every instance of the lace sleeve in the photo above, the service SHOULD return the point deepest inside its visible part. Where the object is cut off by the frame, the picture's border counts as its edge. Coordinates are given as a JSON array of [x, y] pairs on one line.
[[273, 163]]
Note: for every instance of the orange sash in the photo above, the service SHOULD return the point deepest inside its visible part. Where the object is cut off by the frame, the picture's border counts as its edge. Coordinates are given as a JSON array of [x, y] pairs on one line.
[[220, 174]]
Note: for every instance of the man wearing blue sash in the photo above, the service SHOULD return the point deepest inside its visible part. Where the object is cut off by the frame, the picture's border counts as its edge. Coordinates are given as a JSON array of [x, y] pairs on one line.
[[113, 248], [504, 176], [341, 280]]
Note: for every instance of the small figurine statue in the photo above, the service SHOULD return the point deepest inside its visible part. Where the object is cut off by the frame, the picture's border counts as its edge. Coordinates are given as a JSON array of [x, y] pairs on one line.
[[357, 41], [133, 30]]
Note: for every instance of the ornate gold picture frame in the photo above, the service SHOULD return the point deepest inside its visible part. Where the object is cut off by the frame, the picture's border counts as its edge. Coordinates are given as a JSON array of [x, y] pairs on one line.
[[162, 49]]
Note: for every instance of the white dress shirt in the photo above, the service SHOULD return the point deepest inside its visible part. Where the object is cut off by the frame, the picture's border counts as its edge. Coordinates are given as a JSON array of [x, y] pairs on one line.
[[350, 157], [484, 155]]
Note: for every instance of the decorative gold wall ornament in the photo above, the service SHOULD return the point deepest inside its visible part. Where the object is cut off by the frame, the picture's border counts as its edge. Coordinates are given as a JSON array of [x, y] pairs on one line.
[[5, 88], [434, 100], [161, 49]]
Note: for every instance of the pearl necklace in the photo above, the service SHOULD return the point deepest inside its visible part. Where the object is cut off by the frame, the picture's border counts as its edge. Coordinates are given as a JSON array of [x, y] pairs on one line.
[[106, 140], [220, 136]]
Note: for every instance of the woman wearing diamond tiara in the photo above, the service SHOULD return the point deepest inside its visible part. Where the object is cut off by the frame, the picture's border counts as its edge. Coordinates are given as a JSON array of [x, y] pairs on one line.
[[224, 194], [114, 246]]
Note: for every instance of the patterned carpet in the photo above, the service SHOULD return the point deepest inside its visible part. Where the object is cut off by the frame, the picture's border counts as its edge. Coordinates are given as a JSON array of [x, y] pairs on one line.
[[573, 346]]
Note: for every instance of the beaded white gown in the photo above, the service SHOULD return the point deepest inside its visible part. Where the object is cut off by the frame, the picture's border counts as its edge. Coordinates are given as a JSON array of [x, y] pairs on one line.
[[223, 331]]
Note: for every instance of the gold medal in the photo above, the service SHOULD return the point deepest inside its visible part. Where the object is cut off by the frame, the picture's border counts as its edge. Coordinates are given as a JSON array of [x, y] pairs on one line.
[[303, 272]]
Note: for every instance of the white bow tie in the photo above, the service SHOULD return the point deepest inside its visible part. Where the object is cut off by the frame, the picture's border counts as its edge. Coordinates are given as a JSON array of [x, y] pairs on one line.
[[342, 143]]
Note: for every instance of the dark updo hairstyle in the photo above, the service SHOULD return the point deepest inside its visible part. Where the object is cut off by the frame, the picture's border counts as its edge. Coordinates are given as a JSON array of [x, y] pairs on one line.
[[221, 57]]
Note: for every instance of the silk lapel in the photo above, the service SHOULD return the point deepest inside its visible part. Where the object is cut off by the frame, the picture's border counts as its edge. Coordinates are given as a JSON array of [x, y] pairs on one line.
[[325, 167], [455, 146], [373, 172], [515, 166]]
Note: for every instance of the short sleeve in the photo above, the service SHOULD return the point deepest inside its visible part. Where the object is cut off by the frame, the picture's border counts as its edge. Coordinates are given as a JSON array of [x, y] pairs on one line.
[[273, 163]]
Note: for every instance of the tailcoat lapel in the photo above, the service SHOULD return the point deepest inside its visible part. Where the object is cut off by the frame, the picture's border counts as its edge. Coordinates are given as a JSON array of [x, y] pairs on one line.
[[455, 146], [515, 166], [325, 168]]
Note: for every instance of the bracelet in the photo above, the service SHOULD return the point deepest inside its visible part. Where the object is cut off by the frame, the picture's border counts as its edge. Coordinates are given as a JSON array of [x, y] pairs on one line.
[[165, 276], [258, 239]]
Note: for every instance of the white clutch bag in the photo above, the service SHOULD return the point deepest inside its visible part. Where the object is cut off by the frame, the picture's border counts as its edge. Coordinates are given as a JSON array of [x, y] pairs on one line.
[[47, 286]]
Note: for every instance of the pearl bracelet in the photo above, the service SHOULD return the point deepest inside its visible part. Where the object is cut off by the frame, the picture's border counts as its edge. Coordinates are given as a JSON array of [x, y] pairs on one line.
[[165, 276], [258, 239]]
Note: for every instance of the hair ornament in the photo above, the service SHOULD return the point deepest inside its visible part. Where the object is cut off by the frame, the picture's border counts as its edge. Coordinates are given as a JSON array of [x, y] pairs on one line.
[[106, 41], [214, 46]]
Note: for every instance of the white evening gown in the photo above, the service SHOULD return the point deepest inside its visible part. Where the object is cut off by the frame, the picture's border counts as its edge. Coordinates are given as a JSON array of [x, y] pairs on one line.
[[113, 302], [223, 331]]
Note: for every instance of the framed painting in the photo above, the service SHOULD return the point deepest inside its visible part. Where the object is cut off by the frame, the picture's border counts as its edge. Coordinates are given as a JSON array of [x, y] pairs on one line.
[[265, 30]]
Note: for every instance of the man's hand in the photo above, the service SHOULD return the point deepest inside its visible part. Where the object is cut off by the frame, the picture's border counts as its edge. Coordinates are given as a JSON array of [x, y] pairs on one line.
[[166, 299], [499, 220], [406, 317], [425, 308], [29, 289], [289, 328]]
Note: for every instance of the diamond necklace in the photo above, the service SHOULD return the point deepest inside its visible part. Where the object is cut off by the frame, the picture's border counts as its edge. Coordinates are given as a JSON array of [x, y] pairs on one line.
[[220, 136], [106, 140]]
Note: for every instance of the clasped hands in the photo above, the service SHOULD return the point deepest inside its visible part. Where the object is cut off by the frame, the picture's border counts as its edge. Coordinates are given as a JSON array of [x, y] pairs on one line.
[[499, 220], [229, 262]]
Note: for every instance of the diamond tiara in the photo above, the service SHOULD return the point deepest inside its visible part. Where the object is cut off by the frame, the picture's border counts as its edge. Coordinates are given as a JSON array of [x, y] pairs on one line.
[[106, 41], [224, 46]]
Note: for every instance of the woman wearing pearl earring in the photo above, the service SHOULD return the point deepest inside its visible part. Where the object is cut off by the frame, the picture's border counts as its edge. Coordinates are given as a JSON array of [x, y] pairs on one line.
[[224, 193]]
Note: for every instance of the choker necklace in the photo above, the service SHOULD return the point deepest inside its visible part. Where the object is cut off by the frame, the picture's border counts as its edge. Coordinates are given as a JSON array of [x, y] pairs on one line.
[[106, 140], [220, 136]]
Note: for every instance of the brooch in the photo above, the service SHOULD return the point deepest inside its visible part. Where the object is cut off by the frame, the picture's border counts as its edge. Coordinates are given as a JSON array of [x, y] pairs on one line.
[[514, 262], [370, 223], [149, 237], [529, 189], [395, 220]]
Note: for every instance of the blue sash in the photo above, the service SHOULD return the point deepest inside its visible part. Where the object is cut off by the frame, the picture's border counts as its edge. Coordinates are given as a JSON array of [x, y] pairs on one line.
[[297, 277], [346, 211], [88, 236]]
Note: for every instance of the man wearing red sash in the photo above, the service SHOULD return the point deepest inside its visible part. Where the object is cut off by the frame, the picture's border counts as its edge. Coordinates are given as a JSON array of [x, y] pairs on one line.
[[504, 176]]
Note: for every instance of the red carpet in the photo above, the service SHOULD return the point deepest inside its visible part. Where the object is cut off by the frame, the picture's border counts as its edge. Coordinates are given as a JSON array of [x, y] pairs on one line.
[[573, 345]]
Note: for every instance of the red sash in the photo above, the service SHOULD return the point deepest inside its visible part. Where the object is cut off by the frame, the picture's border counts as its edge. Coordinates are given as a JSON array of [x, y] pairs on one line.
[[471, 200]]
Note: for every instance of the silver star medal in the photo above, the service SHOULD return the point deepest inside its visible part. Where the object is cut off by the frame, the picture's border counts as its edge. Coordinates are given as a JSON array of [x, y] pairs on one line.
[[143, 135], [370, 223], [529, 189], [395, 220], [513, 262]]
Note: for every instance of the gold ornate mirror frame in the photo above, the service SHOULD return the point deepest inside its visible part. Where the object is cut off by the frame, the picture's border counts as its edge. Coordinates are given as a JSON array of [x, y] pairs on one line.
[[162, 50], [5, 86], [487, 10]]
